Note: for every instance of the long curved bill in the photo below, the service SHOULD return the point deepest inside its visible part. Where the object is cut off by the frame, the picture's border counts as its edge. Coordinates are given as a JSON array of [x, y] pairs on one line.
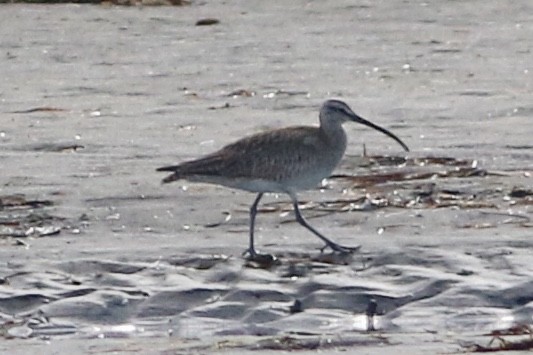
[[361, 120]]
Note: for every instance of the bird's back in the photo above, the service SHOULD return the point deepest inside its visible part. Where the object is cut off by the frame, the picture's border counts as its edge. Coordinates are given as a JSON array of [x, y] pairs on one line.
[[292, 158]]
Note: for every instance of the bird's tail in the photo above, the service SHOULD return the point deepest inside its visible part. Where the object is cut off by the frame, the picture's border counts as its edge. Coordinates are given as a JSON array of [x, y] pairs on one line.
[[175, 169], [207, 166]]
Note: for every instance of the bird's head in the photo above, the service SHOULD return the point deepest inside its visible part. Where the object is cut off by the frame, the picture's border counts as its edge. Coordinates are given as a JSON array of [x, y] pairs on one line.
[[338, 112]]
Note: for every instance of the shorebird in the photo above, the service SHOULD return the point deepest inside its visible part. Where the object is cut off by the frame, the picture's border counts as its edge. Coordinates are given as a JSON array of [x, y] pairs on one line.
[[284, 160]]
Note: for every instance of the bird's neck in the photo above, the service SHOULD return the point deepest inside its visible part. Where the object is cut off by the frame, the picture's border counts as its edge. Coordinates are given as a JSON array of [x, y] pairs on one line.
[[333, 134]]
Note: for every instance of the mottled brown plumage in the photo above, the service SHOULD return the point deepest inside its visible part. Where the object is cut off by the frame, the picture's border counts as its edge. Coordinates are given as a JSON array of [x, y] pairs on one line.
[[285, 156]]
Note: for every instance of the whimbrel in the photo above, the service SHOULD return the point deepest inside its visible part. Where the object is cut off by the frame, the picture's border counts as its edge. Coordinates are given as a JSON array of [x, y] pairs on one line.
[[284, 160]]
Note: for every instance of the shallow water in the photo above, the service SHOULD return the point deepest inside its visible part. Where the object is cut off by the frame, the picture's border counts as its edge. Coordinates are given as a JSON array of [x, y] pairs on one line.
[[95, 98]]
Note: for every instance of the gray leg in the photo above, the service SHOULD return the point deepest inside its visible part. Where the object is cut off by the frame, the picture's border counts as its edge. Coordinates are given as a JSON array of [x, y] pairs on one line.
[[264, 260], [329, 243], [253, 213]]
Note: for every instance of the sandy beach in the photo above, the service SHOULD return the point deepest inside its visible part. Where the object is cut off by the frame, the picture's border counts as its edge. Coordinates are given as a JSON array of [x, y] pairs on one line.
[[98, 257]]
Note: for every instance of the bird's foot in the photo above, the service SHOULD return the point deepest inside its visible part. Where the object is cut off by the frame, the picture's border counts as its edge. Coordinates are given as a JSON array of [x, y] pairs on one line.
[[263, 261], [340, 248]]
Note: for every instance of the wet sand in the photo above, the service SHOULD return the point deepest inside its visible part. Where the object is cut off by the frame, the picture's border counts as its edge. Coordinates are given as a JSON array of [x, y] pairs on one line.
[[98, 256]]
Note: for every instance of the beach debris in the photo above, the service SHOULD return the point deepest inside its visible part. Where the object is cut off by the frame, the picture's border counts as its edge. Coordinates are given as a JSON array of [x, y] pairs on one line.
[[316, 342], [225, 106], [520, 192], [31, 325], [143, 2], [21, 217], [374, 179], [494, 219], [19, 201], [56, 147], [334, 258], [296, 270], [284, 93], [226, 219], [517, 329], [199, 262], [207, 22], [241, 93], [41, 109], [263, 261], [499, 343], [11, 327], [288, 343]]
